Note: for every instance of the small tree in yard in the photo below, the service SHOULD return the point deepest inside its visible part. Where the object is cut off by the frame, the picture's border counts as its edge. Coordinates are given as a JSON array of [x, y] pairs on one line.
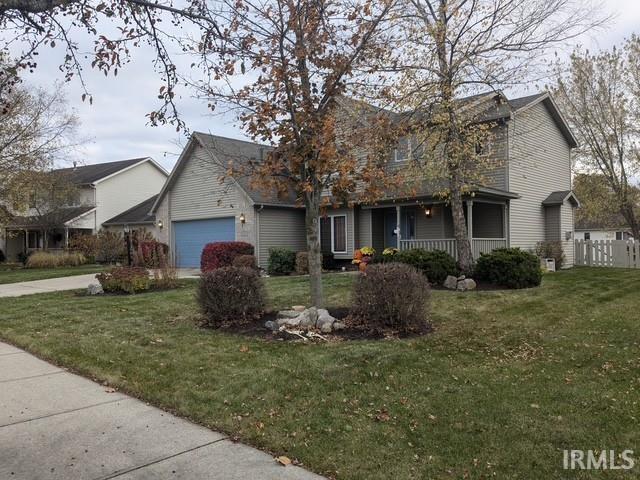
[[457, 47], [297, 60], [600, 96]]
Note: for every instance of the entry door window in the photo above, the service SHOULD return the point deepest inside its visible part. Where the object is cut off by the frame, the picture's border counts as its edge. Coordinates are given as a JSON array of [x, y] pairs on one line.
[[32, 240]]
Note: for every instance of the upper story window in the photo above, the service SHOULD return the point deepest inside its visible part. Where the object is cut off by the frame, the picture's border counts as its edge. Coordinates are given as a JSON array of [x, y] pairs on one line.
[[402, 152], [587, 235]]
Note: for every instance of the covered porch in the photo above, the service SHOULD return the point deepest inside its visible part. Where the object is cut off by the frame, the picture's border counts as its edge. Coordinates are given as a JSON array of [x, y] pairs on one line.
[[429, 225]]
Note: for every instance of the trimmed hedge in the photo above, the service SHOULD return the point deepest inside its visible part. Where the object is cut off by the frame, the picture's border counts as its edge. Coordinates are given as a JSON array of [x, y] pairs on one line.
[[230, 295], [221, 254], [282, 261], [247, 261], [54, 260], [509, 267], [302, 263], [391, 296], [435, 264], [125, 280]]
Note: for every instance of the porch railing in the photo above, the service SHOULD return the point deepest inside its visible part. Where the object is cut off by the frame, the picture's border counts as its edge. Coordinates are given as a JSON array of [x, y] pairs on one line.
[[478, 245]]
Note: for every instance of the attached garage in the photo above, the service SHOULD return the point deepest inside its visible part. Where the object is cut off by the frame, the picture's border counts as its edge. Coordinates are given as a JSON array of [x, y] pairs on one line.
[[191, 236]]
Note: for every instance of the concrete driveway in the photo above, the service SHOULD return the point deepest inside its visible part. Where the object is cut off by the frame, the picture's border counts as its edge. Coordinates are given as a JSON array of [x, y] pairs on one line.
[[49, 285], [55, 425]]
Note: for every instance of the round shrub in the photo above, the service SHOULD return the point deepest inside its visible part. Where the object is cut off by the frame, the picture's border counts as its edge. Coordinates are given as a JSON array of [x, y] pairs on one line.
[[221, 254], [282, 261], [125, 280], [230, 295], [247, 261], [435, 264], [391, 296], [509, 267], [302, 263]]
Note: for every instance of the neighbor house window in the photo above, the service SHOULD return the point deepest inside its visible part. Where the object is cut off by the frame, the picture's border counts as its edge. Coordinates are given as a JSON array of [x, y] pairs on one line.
[[334, 229], [587, 235], [619, 236], [403, 150]]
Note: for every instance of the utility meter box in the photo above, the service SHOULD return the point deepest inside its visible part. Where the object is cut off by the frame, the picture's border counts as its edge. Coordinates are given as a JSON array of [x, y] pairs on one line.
[[550, 264]]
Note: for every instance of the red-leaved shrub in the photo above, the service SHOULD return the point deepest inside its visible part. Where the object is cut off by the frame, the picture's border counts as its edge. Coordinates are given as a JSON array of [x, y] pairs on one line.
[[221, 254]]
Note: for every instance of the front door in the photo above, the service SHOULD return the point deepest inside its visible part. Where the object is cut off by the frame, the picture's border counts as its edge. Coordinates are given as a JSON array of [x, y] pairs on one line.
[[390, 224]]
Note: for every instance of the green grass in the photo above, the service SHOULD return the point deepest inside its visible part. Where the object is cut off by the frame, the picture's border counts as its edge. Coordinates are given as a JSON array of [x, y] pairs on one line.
[[506, 381], [15, 274]]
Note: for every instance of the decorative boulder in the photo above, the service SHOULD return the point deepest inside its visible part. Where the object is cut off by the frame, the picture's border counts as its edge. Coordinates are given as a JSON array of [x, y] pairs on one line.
[[326, 328], [339, 325], [95, 289], [298, 308], [324, 318], [307, 319], [271, 325], [466, 284], [451, 282], [288, 314]]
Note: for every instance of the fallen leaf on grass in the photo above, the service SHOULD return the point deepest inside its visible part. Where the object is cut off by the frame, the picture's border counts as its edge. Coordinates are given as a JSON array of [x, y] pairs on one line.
[[110, 390], [282, 460], [244, 348]]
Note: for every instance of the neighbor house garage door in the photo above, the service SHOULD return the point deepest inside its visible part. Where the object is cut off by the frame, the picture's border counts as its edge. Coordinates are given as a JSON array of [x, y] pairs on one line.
[[191, 236]]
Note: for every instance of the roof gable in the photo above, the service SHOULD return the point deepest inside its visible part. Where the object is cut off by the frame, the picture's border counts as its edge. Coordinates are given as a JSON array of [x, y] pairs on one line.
[[97, 172], [137, 214]]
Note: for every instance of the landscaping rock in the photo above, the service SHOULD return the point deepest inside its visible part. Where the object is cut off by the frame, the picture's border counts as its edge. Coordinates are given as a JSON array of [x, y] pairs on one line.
[[451, 282], [466, 284], [95, 289], [326, 328], [337, 325], [288, 314], [324, 318], [461, 277], [298, 308], [271, 325], [307, 319]]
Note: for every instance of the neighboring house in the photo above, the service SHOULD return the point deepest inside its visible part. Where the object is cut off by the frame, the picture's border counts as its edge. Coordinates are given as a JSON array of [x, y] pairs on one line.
[[137, 217], [105, 190], [527, 199], [614, 229]]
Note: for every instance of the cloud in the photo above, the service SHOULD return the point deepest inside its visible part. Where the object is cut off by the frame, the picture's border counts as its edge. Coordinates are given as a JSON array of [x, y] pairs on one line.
[[116, 125]]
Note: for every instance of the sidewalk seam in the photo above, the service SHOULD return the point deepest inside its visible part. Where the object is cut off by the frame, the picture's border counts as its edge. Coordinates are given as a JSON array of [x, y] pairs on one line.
[[153, 462], [63, 412], [33, 376]]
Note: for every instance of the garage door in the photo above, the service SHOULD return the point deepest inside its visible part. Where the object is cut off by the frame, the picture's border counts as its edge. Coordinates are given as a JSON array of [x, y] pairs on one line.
[[191, 236]]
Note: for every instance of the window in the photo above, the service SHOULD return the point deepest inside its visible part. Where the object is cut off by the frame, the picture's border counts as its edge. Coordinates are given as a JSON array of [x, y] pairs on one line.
[[403, 151], [32, 240], [587, 235], [333, 230], [619, 236], [409, 230]]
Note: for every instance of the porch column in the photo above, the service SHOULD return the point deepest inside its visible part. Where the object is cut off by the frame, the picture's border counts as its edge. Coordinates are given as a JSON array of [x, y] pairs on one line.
[[505, 225], [66, 238], [470, 220], [398, 223]]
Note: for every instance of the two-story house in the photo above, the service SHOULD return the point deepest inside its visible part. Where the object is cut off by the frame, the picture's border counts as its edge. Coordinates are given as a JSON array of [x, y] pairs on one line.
[[526, 199], [101, 192]]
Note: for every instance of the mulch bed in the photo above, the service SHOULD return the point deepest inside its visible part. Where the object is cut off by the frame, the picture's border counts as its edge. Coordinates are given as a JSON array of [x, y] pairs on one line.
[[354, 331]]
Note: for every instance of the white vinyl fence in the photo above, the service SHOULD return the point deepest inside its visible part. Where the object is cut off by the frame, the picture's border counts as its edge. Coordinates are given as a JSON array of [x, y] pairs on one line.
[[608, 253]]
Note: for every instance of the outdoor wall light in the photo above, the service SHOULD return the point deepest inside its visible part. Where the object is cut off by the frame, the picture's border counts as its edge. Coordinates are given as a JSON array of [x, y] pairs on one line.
[[428, 212], [160, 224], [242, 218]]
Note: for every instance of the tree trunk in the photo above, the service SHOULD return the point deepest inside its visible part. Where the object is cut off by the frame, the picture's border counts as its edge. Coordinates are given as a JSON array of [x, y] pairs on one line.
[[312, 218], [628, 212], [463, 246]]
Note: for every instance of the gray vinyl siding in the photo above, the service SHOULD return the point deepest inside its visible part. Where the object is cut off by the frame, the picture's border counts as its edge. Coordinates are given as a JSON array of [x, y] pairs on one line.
[[540, 163], [567, 226], [280, 227], [552, 223], [498, 157], [487, 220], [377, 229], [434, 227], [364, 237]]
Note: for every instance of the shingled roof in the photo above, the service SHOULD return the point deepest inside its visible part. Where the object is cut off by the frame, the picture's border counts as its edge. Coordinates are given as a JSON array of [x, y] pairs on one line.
[[138, 214], [61, 216], [88, 174]]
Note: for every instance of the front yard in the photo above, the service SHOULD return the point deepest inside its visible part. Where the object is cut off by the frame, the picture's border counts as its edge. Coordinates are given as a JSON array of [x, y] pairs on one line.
[[13, 274], [503, 385]]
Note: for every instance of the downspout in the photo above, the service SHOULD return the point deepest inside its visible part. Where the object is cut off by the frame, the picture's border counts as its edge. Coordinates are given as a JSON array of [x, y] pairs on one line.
[[257, 233]]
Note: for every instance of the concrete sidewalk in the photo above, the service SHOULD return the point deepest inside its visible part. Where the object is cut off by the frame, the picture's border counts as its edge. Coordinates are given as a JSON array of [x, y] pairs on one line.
[[55, 425], [73, 282]]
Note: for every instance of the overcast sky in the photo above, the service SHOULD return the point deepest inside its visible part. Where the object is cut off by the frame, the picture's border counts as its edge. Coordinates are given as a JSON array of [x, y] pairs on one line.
[[115, 125]]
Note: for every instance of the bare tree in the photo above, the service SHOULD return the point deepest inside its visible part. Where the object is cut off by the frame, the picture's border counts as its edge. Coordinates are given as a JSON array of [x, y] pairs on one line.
[[601, 98], [36, 129], [459, 47], [294, 61], [31, 27]]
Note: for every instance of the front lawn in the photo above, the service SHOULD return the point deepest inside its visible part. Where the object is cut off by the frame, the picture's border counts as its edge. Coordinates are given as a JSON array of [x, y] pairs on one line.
[[506, 381], [14, 274]]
